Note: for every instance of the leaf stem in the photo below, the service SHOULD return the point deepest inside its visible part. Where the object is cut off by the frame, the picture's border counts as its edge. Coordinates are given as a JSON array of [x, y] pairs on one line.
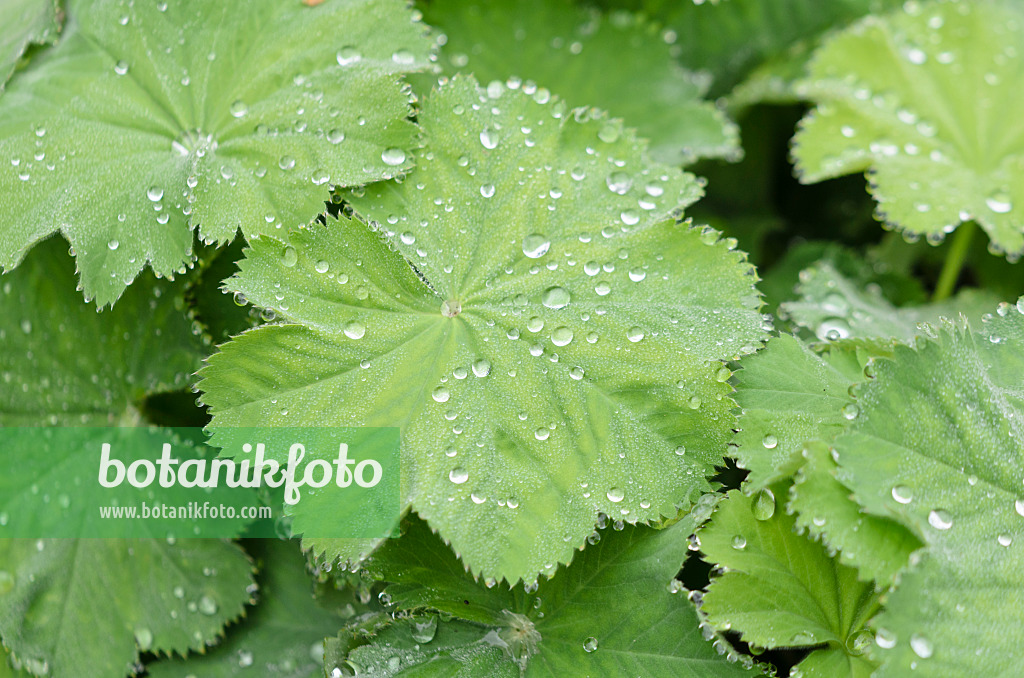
[[954, 261]]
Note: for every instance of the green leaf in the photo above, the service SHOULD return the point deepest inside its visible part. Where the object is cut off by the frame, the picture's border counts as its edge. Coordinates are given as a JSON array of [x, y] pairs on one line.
[[835, 307], [788, 395], [879, 547], [613, 611], [24, 23], [549, 354], [579, 54], [143, 136], [456, 649], [782, 589], [65, 364], [732, 37], [88, 606], [938, 447], [282, 636], [916, 99]]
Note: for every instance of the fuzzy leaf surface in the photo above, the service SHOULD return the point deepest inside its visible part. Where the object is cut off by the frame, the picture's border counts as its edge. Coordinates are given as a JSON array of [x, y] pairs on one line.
[[50, 380], [550, 353], [921, 94], [278, 636], [141, 125], [782, 589], [834, 307], [23, 23], [937, 446], [86, 606], [659, 636], [578, 54]]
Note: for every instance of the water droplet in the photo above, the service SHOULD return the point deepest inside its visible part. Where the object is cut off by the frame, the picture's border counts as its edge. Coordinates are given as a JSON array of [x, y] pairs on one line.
[[348, 55], [393, 156], [561, 336], [576, 373], [450, 308], [535, 324], [355, 330], [739, 543], [999, 202], [762, 505], [536, 245], [440, 394], [238, 109], [1004, 540], [286, 162], [770, 442], [940, 519], [1019, 506], [322, 266], [489, 138], [902, 494], [630, 217], [487, 190], [602, 288], [144, 638], [680, 450], [424, 632], [335, 136], [555, 297], [851, 410], [208, 606], [619, 182], [482, 368], [155, 193], [458, 475], [113, 245], [885, 639], [590, 644], [635, 334], [833, 329], [403, 57], [921, 646], [121, 67], [616, 495], [290, 257], [637, 274]]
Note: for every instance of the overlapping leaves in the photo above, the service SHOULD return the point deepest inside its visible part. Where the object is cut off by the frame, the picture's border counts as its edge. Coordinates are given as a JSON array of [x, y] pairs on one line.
[[918, 100], [570, 625], [150, 119], [550, 351], [23, 23], [616, 62]]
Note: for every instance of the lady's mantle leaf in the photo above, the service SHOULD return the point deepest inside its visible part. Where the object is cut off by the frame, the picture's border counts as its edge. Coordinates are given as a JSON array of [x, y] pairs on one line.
[[48, 379], [549, 354], [939, 446], [570, 625], [617, 62], [920, 99], [149, 119], [282, 636], [22, 23], [74, 605], [782, 589], [835, 307]]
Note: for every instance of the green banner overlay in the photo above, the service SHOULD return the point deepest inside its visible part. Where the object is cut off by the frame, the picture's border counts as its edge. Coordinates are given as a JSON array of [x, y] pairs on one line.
[[120, 482]]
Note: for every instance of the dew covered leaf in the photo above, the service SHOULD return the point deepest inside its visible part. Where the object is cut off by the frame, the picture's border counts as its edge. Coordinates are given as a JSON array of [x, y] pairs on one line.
[[782, 589], [729, 39], [550, 353], [23, 23], [878, 546], [922, 94], [938, 447], [282, 636], [835, 307], [50, 380], [617, 62], [789, 395], [149, 119], [573, 624], [88, 606]]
